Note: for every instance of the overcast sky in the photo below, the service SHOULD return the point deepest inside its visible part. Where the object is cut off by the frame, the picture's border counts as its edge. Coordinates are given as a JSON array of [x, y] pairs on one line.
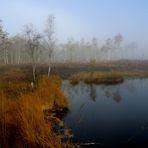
[[81, 18]]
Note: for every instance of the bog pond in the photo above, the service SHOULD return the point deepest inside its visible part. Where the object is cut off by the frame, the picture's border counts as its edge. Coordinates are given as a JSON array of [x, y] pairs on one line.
[[101, 115]]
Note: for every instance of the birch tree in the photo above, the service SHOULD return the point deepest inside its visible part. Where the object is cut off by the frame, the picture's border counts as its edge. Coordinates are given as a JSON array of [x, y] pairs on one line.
[[118, 39], [49, 40], [33, 42], [18, 48], [4, 44]]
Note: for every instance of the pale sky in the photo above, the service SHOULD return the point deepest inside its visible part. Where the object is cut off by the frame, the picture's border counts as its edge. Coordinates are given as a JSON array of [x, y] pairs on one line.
[[81, 18]]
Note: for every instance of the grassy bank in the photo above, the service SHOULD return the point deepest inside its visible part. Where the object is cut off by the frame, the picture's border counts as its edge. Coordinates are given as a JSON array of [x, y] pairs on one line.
[[106, 77], [24, 121]]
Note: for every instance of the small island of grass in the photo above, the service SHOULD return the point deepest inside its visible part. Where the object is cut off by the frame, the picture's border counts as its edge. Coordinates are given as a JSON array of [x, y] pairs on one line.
[[106, 77]]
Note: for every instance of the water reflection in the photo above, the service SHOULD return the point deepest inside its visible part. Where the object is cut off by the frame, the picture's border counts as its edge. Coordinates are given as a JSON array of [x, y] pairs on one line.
[[117, 97], [108, 114], [113, 92], [92, 91]]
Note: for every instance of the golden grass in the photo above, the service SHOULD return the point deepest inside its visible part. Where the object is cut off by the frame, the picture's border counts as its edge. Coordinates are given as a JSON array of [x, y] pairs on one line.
[[97, 77], [34, 128], [49, 93], [22, 120], [107, 77]]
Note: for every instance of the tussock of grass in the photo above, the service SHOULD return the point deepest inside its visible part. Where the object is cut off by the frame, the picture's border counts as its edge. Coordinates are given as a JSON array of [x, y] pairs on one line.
[[97, 77], [23, 122], [107, 77]]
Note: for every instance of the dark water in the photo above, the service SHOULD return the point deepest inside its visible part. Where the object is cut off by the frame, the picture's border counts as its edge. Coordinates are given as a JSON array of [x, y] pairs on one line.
[[108, 116]]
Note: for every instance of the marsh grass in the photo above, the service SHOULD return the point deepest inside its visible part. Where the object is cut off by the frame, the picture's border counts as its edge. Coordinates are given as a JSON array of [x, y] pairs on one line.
[[97, 78], [106, 77], [48, 90], [22, 120]]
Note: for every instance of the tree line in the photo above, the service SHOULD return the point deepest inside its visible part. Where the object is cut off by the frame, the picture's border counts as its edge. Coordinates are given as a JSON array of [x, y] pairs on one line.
[[33, 47]]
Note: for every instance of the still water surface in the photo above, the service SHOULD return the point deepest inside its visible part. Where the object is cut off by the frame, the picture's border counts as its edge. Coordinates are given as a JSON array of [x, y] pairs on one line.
[[108, 115]]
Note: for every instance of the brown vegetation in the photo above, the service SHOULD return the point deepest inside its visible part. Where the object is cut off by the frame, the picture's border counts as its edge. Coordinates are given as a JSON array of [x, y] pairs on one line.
[[108, 77], [97, 78], [28, 112], [22, 120]]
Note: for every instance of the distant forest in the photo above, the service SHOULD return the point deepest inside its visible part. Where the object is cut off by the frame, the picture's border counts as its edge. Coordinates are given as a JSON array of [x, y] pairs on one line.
[[31, 46]]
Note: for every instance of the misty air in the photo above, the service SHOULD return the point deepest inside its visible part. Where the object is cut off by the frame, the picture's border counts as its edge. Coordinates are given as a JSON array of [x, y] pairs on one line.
[[73, 74]]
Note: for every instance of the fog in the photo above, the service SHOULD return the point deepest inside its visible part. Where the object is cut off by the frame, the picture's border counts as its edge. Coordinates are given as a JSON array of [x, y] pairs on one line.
[[84, 31]]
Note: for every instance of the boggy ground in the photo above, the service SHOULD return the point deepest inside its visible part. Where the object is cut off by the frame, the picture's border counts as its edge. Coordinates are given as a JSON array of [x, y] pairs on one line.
[[102, 72], [111, 72], [28, 111], [106, 77], [66, 70]]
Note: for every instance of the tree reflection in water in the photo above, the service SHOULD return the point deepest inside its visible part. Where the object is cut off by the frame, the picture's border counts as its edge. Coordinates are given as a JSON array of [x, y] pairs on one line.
[[92, 90]]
